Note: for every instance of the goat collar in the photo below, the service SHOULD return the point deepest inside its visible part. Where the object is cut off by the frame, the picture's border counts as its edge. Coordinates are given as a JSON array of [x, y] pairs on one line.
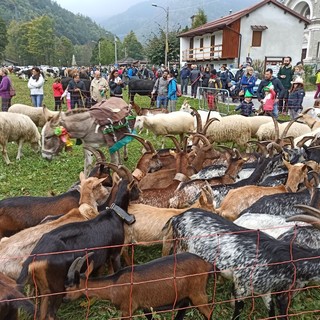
[[128, 218], [311, 127]]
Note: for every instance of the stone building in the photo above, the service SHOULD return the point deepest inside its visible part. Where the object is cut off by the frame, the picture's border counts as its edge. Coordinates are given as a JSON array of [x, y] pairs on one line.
[[311, 38]]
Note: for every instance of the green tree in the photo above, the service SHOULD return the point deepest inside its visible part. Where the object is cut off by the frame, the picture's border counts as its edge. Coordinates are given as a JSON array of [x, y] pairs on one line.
[[41, 40], [155, 47], [3, 37], [133, 47], [64, 50], [106, 52], [199, 19]]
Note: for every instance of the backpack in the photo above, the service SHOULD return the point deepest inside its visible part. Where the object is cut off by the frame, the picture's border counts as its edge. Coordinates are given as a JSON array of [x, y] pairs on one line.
[[215, 83]]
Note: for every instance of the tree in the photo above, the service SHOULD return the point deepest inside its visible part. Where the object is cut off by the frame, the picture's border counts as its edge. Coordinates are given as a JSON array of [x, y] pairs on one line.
[[133, 47], [106, 52], [155, 47], [3, 37], [199, 19]]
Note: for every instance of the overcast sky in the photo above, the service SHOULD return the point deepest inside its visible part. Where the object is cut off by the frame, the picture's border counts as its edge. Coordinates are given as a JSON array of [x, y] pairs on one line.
[[97, 8]]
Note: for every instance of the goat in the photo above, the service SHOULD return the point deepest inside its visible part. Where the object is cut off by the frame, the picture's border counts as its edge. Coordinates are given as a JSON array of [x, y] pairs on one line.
[[19, 213], [48, 270], [11, 299], [161, 284], [150, 221], [254, 261], [15, 249], [241, 198]]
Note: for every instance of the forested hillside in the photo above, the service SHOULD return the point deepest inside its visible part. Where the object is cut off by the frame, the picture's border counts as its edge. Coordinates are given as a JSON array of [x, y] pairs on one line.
[[77, 28]]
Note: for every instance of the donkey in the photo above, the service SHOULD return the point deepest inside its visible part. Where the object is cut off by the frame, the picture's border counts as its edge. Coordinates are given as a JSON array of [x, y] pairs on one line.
[[88, 126]]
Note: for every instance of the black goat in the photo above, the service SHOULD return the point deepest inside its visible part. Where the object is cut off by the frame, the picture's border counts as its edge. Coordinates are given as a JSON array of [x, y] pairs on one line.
[[254, 261], [51, 258]]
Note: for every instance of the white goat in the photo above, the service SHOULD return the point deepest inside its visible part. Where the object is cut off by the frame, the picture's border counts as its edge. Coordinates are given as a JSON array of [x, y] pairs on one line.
[[35, 114], [18, 128], [170, 123]]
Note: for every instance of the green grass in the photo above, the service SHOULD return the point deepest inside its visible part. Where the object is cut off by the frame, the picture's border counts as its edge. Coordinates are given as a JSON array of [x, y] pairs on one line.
[[35, 176]]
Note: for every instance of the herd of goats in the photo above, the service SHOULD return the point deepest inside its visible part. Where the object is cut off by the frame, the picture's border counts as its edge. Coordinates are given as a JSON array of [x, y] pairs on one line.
[[251, 217]]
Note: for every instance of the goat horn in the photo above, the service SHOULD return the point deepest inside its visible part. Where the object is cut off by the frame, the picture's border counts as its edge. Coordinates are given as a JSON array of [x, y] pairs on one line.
[[128, 172], [261, 146], [285, 131], [97, 153], [141, 140], [309, 210], [303, 141], [115, 168], [199, 121], [152, 149], [305, 218], [274, 145], [307, 110], [175, 141], [204, 131], [276, 128], [203, 138], [185, 143], [77, 265]]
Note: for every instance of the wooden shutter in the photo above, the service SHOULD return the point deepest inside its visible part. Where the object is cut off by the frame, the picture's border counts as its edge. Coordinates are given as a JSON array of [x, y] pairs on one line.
[[201, 44], [256, 38]]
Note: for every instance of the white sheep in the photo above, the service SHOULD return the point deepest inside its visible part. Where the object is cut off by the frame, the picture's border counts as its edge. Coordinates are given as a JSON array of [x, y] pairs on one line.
[[256, 122], [18, 128], [314, 133], [267, 131], [233, 128], [203, 113], [169, 123], [35, 114]]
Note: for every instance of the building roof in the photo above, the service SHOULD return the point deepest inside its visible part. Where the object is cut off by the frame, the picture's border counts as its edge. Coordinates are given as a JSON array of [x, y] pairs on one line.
[[227, 20]]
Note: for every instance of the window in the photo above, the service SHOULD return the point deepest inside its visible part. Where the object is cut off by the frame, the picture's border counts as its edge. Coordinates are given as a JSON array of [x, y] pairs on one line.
[[201, 44], [256, 38]]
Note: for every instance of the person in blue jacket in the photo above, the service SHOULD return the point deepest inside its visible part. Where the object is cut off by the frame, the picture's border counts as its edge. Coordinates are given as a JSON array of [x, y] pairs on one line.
[[172, 92], [248, 81], [246, 106]]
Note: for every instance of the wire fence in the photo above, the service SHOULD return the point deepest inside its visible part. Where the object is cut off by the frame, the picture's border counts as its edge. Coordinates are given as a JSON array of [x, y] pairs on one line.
[[163, 281]]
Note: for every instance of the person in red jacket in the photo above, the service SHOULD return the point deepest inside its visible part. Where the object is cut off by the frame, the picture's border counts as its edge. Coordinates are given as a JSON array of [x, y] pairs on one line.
[[57, 93], [269, 99]]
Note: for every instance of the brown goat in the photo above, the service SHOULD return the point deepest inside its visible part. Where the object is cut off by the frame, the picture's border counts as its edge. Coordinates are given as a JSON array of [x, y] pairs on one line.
[[15, 250], [11, 299], [151, 220], [241, 198], [161, 284]]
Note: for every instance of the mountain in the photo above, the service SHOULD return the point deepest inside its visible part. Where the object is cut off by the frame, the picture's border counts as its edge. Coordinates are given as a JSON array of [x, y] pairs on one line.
[[78, 28], [144, 19]]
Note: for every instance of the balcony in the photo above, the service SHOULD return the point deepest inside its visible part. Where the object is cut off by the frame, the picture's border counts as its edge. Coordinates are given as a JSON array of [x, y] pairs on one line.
[[202, 54]]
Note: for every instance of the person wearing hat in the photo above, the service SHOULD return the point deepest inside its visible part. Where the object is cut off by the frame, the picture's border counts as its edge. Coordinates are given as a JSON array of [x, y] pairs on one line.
[[295, 99], [269, 99], [246, 106]]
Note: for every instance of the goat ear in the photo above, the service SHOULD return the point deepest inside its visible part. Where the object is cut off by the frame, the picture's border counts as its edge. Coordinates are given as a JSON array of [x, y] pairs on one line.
[[287, 164]]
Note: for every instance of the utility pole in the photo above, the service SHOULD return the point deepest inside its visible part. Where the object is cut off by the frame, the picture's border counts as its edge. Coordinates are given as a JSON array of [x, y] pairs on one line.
[[115, 51]]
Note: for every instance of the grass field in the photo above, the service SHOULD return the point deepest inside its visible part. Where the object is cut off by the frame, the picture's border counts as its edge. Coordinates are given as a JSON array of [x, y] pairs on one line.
[[35, 176]]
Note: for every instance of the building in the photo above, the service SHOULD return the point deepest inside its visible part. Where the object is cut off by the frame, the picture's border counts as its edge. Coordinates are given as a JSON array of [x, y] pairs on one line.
[[266, 31], [311, 38]]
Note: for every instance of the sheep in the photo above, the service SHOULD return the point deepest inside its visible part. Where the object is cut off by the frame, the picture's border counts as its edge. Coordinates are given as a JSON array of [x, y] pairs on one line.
[[11, 299], [162, 284], [267, 131], [233, 128], [35, 114], [171, 123], [15, 249], [255, 262], [18, 128]]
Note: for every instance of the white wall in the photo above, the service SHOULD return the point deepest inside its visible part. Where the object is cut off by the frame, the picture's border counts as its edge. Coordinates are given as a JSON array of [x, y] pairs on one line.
[[283, 37]]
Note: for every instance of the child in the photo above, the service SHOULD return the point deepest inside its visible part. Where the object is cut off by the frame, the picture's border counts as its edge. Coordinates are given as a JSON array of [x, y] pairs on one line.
[[295, 99], [269, 99], [57, 93], [246, 106]]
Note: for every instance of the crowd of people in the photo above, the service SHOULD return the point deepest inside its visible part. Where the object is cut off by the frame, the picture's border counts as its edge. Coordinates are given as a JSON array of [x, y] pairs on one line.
[[280, 93]]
